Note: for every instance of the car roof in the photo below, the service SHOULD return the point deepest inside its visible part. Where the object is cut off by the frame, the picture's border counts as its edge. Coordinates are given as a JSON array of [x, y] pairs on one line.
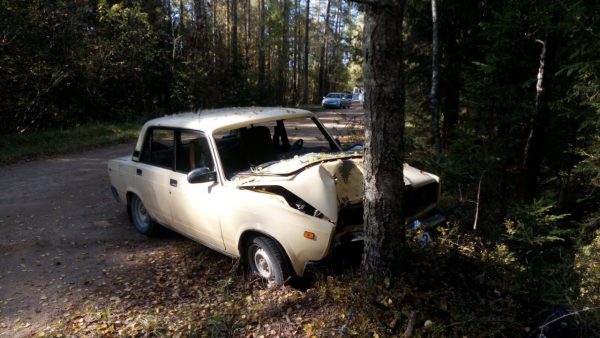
[[226, 118]]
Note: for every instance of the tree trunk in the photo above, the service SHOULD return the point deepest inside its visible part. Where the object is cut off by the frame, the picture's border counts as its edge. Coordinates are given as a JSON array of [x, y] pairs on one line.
[[247, 25], [433, 94], [322, 59], [283, 56], [261, 50], [181, 18], [234, 39], [335, 43], [451, 86], [296, 47], [384, 135], [306, 51], [533, 153]]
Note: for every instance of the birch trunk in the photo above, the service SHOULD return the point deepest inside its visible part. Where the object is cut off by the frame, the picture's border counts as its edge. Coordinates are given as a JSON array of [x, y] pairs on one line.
[[533, 153]]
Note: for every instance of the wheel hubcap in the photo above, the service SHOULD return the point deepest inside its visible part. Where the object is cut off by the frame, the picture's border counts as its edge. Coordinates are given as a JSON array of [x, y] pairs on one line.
[[263, 263], [142, 214]]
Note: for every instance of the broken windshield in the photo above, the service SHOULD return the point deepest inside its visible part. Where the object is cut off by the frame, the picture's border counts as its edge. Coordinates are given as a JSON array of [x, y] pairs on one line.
[[263, 144]]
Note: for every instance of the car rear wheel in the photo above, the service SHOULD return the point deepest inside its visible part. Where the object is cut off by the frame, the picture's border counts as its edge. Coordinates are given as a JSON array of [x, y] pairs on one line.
[[266, 259], [142, 220]]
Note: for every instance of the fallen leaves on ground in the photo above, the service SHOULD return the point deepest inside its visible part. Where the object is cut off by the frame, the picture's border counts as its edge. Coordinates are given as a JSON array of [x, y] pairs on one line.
[[182, 289], [188, 290]]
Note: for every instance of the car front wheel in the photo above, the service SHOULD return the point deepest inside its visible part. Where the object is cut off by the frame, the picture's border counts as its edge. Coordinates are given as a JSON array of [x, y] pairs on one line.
[[267, 259], [142, 220]]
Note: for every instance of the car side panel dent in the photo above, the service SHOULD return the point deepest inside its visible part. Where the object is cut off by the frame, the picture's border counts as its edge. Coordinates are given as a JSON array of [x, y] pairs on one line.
[[315, 185], [271, 215]]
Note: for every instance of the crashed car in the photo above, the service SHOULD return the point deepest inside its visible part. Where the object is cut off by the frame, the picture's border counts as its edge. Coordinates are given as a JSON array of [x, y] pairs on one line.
[[269, 185]]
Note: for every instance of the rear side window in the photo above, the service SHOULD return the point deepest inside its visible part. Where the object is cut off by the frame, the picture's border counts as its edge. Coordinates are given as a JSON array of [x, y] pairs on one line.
[[159, 148]]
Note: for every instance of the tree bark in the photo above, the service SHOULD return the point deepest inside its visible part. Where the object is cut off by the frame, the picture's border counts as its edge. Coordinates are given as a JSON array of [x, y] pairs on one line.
[[451, 86], [306, 51], [433, 94], [296, 54], [322, 58], [261, 50], [335, 43], [234, 39], [384, 135], [282, 66]]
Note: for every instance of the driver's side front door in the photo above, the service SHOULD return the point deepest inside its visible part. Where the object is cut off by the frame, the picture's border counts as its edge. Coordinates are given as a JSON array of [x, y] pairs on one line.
[[195, 207]]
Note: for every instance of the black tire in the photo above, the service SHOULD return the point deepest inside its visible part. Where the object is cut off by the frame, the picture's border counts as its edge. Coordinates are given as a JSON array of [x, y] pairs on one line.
[[266, 259], [140, 217]]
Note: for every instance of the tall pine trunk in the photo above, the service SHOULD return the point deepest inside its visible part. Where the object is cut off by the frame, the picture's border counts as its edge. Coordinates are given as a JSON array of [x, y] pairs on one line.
[[296, 56], [282, 64], [234, 39], [451, 86], [384, 135], [261, 51], [433, 94], [322, 58], [306, 51]]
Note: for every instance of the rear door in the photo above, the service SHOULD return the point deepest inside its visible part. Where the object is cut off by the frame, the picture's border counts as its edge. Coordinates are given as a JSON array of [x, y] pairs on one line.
[[152, 173]]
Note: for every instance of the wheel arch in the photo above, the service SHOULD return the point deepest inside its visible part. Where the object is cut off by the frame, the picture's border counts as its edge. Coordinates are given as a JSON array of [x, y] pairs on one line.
[[128, 200], [128, 196], [249, 234]]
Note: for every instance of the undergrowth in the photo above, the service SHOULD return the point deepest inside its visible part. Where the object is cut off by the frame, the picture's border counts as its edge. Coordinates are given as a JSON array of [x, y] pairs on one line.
[[458, 286], [16, 147]]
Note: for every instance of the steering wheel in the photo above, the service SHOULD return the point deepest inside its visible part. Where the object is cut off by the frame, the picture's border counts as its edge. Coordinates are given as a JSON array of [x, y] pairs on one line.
[[298, 144]]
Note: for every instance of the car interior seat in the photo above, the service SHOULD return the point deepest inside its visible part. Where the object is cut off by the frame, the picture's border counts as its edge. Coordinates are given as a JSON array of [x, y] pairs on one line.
[[258, 145]]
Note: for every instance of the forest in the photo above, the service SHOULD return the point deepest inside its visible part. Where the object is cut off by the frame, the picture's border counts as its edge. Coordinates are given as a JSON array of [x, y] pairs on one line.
[[512, 128], [67, 62]]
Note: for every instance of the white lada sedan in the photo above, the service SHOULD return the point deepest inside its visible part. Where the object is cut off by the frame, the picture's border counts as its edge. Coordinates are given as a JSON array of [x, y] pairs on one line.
[[268, 185]]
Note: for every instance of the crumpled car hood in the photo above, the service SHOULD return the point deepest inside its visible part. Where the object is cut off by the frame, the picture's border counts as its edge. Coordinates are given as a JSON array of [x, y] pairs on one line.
[[327, 181], [292, 165]]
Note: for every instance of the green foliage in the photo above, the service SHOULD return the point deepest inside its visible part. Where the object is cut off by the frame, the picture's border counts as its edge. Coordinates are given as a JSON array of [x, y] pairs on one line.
[[543, 242], [65, 63], [587, 265], [536, 226], [16, 147]]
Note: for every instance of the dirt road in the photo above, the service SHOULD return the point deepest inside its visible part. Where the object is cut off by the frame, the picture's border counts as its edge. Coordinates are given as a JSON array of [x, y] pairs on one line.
[[61, 230]]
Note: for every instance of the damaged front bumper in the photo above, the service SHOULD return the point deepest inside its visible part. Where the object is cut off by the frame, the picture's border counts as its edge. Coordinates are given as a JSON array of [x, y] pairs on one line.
[[346, 248]]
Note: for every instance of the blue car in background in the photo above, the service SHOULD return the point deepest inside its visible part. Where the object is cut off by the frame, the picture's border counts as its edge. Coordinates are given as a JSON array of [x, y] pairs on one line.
[[336, 100]]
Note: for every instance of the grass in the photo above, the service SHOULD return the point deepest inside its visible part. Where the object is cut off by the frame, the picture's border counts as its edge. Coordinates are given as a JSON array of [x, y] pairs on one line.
[[19, 147], [311, 107]]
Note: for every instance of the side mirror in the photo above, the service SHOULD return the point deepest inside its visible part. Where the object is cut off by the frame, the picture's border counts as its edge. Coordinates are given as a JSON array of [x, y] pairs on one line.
[[201, 175]]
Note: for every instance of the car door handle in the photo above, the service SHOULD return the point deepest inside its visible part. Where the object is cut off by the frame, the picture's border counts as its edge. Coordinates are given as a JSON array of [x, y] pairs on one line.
[[138, 172], [173, 183]]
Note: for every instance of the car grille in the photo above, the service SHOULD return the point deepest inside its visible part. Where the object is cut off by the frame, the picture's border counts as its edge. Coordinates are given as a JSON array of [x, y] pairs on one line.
[[415, 201]]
